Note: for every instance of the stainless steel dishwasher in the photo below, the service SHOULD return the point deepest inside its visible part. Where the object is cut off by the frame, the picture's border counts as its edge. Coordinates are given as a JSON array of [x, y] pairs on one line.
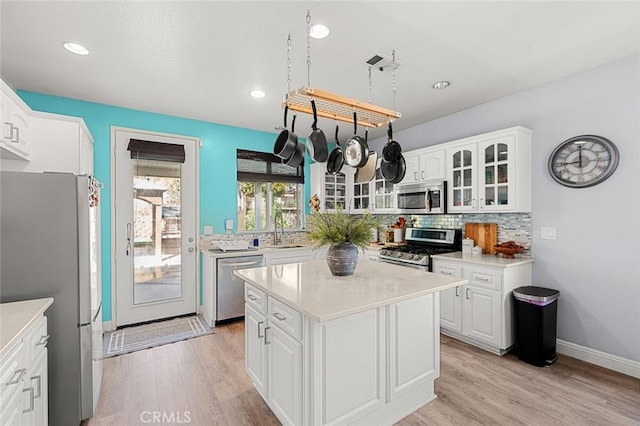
[[229, 288]]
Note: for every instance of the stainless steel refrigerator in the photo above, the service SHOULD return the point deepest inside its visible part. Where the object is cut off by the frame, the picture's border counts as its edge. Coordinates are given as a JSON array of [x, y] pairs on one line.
[[50, 247]]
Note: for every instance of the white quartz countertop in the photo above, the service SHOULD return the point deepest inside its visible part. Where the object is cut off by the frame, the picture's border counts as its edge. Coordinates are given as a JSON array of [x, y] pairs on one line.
[[16, 318], [484, 259], [310, 287]]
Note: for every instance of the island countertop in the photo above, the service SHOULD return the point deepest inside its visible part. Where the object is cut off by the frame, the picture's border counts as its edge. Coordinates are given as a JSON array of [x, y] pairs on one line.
[[310, 287]]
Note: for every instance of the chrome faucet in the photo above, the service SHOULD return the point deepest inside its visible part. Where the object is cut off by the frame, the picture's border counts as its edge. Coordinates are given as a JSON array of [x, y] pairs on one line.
[[278, 239]]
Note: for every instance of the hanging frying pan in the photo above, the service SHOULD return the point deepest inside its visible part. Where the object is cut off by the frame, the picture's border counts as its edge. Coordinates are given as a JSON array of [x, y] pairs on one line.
[[356, 150], [391, 151], [336, 158], [297, 157], [393, 172], [286, 141], [317, 143]]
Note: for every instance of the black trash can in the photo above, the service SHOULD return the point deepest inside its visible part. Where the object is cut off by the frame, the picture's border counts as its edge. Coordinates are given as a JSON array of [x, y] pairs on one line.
[[536, 312]]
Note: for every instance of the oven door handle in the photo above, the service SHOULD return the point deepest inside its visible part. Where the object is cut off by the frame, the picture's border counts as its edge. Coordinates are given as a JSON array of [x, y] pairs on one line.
[[427, 201]]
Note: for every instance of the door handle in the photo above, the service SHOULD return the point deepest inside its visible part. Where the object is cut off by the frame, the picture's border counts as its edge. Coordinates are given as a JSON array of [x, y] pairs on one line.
[[467, 293], [266, 342], [259, 324], [39, 391], [32, 405], [128, 249], [457, 291]]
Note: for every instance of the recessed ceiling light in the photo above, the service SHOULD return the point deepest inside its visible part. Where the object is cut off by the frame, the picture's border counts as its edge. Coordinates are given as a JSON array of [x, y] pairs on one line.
[[319, 31], [257, 93], [441, 84], [76, 48]]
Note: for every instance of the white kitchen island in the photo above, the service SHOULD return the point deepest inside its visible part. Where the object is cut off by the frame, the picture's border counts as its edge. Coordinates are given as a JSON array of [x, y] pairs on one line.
[[363, 349]]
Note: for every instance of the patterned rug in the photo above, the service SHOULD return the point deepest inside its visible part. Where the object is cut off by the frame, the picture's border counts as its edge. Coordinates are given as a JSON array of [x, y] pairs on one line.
[[131, 339]]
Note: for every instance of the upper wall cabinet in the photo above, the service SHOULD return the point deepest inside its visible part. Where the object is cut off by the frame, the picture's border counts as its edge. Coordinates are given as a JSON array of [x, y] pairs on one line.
[[425, 165], [16, 123], [490, 172]]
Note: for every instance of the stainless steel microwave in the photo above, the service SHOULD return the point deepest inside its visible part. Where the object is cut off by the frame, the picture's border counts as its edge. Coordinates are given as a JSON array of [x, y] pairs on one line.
[[422, 198]]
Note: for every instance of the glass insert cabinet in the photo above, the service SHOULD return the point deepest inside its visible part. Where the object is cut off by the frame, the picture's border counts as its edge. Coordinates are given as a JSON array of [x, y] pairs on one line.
[[491, 173]]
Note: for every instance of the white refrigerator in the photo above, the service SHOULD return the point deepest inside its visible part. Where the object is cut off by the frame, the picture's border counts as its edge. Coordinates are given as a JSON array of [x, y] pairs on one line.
[[50, 247]]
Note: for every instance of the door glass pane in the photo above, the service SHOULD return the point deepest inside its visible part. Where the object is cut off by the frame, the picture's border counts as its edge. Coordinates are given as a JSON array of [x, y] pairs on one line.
[[356, 190], [489, 156], [467, 177], [156, 231], [490, 196], [467, 196], [466, 157], [456, 179], [489, 175], [456, 159], [457, 198], [356, 203], [503, 151], [502, 173], [503, 197]]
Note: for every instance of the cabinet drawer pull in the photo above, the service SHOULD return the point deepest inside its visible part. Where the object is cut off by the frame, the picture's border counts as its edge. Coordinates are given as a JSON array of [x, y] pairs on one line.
[[39, 391], [266, 342], [450, 273], [259, 324], [415, 175], [32, 405], [467, 293], [422, 174], [279, 317], [17, 377], [252, 297], [483, 279], [8, 135], [43, 341]]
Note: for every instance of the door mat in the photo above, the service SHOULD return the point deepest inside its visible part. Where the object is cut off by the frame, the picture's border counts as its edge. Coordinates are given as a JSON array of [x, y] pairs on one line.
[[131, 339]]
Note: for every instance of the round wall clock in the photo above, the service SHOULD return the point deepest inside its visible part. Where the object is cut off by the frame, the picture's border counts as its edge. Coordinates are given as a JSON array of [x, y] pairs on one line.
[[583, 161]]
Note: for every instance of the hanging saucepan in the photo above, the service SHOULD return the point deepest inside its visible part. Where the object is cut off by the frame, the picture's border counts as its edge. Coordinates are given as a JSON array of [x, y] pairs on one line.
[[393, 172], [317, 144], [356, 150], [391, 151], [336, 158], [366, 173], [298, 153], [287, 140]]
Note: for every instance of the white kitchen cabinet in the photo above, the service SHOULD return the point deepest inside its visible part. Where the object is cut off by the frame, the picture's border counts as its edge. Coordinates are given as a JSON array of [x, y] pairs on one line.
[[15, 140], [490, 172], [64, 145], [273, 358], [312, 372], [480, 312], [424, 165], [384, 194], [24, 377], [256, 349], [360, 194], [333, 190]]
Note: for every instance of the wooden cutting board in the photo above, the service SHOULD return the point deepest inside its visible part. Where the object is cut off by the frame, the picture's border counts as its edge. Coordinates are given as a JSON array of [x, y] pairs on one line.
[[484, 235]]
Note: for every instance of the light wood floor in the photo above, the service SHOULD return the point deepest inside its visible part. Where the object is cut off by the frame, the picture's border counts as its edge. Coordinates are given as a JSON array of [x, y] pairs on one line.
[[205, 378]]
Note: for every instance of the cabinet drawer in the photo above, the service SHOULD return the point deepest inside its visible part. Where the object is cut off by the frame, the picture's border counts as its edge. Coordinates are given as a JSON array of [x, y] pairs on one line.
[[255, 298], [285, 317], [485, 278], [13, 371], [36, 340]]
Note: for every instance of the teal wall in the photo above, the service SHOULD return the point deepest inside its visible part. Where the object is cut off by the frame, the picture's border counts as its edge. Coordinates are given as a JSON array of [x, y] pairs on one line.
[[217, 160]]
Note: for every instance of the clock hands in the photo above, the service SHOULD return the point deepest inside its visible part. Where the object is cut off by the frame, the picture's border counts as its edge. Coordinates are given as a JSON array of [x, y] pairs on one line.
[[580, 155]]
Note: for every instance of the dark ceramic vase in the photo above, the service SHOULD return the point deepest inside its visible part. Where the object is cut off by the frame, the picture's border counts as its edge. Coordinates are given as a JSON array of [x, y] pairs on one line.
[[342, 259]]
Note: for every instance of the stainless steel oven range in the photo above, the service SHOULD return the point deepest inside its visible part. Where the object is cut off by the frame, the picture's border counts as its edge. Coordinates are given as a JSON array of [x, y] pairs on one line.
[[421, 244]]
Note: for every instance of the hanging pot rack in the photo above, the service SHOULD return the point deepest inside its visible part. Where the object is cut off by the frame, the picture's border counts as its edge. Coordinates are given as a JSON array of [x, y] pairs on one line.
[[337, 107]]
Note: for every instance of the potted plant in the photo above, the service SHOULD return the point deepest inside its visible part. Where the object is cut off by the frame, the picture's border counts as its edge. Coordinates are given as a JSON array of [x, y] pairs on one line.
[[343, 233]]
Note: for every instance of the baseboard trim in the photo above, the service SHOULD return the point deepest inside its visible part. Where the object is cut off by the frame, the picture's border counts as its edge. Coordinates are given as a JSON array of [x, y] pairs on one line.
[[603, 359], [107, 326]]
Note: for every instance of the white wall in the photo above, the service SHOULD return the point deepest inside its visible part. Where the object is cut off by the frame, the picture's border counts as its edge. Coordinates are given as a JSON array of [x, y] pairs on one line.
[[595, 261]]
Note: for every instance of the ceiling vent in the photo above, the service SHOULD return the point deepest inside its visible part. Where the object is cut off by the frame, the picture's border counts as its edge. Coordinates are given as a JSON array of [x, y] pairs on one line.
[[381, 63]]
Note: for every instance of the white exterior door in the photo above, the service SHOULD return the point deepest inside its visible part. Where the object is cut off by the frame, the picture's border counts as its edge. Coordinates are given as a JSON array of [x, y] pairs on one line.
[[154, 228]]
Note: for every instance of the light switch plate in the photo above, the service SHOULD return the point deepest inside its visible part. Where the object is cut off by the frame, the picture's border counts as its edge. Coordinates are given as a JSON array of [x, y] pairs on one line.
[[208, 230], [547, 233], [228, 224]]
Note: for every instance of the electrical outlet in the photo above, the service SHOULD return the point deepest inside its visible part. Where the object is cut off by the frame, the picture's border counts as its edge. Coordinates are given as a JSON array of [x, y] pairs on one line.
[[547, 233], [208, 230]]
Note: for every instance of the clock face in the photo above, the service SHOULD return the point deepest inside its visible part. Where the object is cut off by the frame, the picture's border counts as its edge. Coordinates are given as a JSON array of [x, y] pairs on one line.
[[583, 161]]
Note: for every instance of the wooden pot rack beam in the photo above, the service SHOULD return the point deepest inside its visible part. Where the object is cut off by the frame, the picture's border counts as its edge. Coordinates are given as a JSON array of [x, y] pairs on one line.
[[338, 107]]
